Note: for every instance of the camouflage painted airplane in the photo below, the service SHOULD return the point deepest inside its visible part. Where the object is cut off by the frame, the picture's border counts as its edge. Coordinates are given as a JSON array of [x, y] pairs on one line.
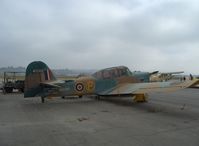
[[115, 81]]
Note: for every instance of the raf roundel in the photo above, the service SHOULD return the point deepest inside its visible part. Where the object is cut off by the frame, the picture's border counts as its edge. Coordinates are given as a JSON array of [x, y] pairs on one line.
[[79, 87]]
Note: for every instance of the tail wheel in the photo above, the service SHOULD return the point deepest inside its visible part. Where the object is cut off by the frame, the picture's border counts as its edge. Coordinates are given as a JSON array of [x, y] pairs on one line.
[[42, 99]]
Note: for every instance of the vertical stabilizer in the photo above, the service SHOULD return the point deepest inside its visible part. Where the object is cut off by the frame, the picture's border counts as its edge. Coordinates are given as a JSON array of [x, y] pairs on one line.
[[36, 72]]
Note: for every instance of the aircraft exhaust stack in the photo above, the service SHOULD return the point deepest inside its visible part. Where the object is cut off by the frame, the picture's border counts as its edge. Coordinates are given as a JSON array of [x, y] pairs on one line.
[[36, 73]]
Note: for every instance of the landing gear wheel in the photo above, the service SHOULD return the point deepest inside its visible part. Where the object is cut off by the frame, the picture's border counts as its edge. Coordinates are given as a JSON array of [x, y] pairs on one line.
[[42, 99], [8, 89], [80, 96]]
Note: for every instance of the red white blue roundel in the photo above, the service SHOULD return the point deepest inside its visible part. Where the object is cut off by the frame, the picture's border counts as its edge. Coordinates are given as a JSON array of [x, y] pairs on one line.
[[79, 87]]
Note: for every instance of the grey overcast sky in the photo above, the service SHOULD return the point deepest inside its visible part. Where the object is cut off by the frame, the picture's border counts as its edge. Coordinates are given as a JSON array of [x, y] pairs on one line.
[[144, 35]]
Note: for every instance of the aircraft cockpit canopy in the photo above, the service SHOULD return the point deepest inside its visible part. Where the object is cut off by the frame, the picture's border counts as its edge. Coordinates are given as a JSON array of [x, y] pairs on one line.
[[113, 72]]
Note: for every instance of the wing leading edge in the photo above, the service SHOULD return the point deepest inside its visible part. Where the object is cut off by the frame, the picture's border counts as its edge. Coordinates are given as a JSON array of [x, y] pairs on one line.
[[142, 88]]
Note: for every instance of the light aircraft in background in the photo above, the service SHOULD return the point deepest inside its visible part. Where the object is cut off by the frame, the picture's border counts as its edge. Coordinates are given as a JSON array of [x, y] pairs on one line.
[[160, 77], [114, 81]]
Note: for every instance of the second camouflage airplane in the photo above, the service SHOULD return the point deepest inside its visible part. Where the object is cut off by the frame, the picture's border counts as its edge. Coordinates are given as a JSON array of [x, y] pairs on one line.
[[115, 81]]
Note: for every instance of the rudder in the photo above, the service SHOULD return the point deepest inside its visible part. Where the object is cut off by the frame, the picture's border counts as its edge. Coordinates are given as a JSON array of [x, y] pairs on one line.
[[36, 72]]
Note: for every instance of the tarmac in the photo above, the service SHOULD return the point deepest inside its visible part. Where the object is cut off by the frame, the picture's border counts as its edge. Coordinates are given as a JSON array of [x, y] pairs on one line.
[[167, 119]]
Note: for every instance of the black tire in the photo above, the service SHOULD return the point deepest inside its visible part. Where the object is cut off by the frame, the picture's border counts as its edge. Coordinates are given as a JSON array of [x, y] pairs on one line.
[[22, 90], [8, 89]]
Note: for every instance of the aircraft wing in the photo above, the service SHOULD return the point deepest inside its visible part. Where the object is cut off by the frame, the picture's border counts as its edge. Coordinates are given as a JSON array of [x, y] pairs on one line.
[[141, 88], [170, 73], [155, 72]]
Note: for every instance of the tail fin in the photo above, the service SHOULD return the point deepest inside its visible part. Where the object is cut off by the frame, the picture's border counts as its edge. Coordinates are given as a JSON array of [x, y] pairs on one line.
[[36, 72]]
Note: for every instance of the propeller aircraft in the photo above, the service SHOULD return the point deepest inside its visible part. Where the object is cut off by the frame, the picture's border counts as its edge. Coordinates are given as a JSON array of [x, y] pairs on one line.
[[114, 81], [160, 77]]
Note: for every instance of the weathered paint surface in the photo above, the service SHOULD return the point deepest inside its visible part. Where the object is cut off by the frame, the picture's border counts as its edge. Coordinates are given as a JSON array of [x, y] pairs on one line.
[[40, 81]]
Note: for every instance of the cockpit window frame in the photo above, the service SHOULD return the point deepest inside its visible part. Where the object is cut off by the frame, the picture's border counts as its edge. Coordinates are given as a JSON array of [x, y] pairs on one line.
[[111, 73]]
